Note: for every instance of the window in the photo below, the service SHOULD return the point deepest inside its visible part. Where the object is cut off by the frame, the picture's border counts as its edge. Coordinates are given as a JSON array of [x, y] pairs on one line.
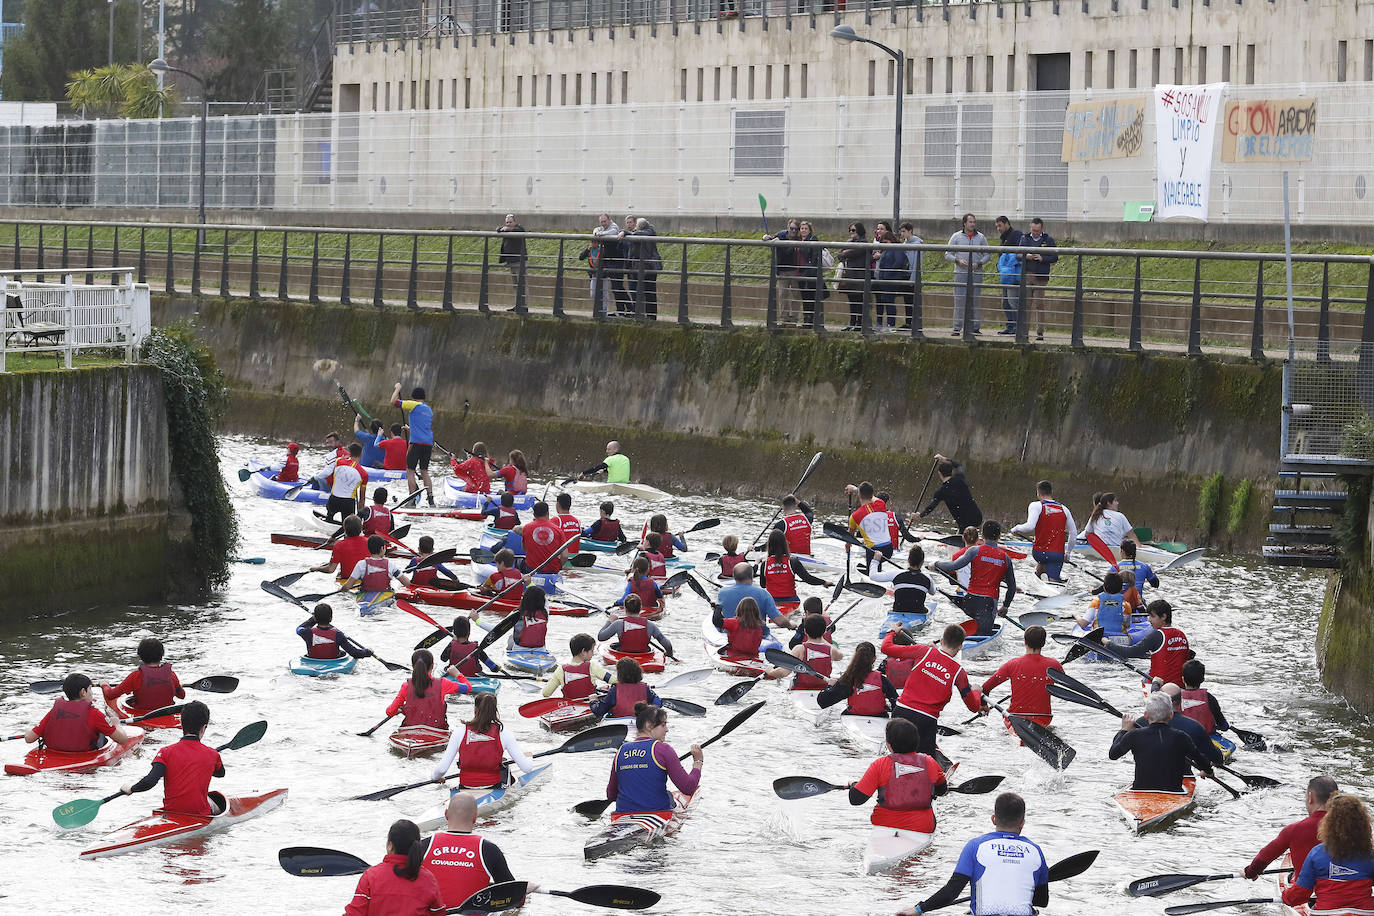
[[374, 96], [734, 83], [577, 90], [1154, 67], [1368, 60], [751, 83], [1087, 69], [768, 81], [803, 80], [943, 141], [1111, 69], [872, 78], [787, 81], [548, 90], [701, 84], [682, 92], [1340, 61], [968, 74], [930, 76], [414, 93], [593, 88], [1226, 63], [760, 142], [426, 94], [716, 85], [910, 76], [1178, 66], [988, 74], [1011, 72], [1131, 70], [624, 86], [562, 88], [949, 76], [1249, 65], [519, 91], [1202, 65], [388, 96]]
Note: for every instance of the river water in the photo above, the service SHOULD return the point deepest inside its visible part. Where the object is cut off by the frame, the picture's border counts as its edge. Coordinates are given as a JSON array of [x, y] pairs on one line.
[[742, 850]]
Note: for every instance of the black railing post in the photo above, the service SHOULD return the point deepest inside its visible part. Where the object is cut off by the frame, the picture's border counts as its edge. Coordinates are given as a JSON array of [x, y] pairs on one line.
[[377, 300], [224, 268], [1076, 331], [1135, 345], [253, 271], [171, 264], [558, 284], [1324, 317], [195, 266], [918, 298], [866, 315], [599, 287], [484, 283], [142, 254], [315, 271], [968, 285], [638, 301], [1022, 309], [40, 252], [725, 304], [1257, 322], [448, 277], [413, 287], [17, 253], [770, 312], [65, 259], [818, 296], [1195, 318], [684, 316], [114, 258], [346, 281], [90, 257], [281, 274]]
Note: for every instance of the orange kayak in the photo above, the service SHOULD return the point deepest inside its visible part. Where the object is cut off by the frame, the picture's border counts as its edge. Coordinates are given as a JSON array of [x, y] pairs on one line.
[[1153, 810], [42, 759]]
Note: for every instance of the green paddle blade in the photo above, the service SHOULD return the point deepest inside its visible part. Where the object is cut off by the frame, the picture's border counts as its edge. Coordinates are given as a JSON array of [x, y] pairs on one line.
[[250, 734], [1145, 534], [79, 813], [312, 862], [494, 899], [612, 896], [794, 787]]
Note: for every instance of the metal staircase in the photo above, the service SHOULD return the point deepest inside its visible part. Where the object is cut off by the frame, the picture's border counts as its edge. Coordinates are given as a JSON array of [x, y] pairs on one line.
[[307, 88]]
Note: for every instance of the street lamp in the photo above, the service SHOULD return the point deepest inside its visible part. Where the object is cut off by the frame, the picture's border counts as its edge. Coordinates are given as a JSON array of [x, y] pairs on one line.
[[160, 67], [110, 4], [846, 33]]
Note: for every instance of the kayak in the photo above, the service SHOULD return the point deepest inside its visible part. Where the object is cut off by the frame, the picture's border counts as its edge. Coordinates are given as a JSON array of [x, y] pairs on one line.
[[530, 661], [323, 667], [494, 539], [714, 640], [549, 582], [804, 698], [372, 603], [45, 759], [602, 488], [465, 600], [815, 564], [316, 542], [979, 646], [889, 847], [630, 830], [163, 827], [649, 662], [912, 622], [573, 717], [867, 729], [465, 515], [489, 801], [483, 684], [1151, 810], [599, 546], [125, 711], [263, 485], [464, 499], [1144, 552], [418, 740], [1225, 745], [1286, 878]]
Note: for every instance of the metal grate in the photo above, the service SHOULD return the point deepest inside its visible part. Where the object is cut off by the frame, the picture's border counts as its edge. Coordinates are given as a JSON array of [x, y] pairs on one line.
[[1331, 402]]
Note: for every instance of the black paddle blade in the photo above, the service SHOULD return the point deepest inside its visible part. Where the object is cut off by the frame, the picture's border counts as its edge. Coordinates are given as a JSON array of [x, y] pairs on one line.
[[1073, 866], [582, 560], [433, 639], [947, 732], [602, 738], [735, 722], [46, 686], [250, 734], [277, 591], [593, 809], [682, 707], [411, 500], [1073, 684], [1085, 644], [627, 548], [481, 555], [677, 579], [503, 627], [399, 533], [392, 666], [216, 683], [1159, 885], [978, 785], [1253, 741], [244, 474], [155, 714], [436, 559], [703, 525], [1254, 782], [794, 787], [494, 899], [784, 659], [1044, 743], [830, 529], [291, 579], [695, 586], [951, 540], [737, 692], [1185, 909], [1059, 691], [613, 896], [383, 794], [867, 589], [313, 862]]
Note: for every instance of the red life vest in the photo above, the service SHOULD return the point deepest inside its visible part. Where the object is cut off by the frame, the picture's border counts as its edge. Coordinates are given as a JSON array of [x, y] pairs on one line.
[[376, 574], [910, 788], [1051, 528], [867, 698], [986, 571], [817, 655], [542, 538], [797, 529], [1196, 707], [571, 526], [577, 681], [626, 696], [894, 534], [665, 542], [157, 689], [728, 562], [647, 590], [324, 643], [423, 576], [479, 758], [517, 482], [290, 470], [506, 518], [610, 530], [778, 578], [467, 651], [536, 629], [68, 727], [1166, 662], [429, 709], [634, 634], [898, 670], [742, 643], [503, 579], [455, 860], [378, 520], [657, 568]]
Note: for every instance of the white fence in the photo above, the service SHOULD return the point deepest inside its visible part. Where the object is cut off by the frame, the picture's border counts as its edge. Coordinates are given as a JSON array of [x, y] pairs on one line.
[[65, 318]]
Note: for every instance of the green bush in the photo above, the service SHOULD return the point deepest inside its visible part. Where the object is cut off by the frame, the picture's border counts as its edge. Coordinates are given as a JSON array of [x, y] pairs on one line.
[[1209, 504], [1240, 507]]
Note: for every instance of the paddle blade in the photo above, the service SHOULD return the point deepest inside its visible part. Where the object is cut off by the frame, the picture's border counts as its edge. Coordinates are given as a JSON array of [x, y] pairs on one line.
[[1256, 782], [867, 589], [481, 555], [1252, 740], [687, 678], [244, 474], [390, 666], [682, 707], [1073, 866], [626, 548], [601, 738], [216, 683], [277, 591], [695, 586], [784, 659], [1053, 603], [978, 785], [703, 525], [291, 578], [256, 561], [250, 734], [735, 722], [536, 708], [1089, 642], [613, 896], [794, 787], [154, 714], [495, 899], [1184, 559], [737, 692], [1102, 549], [411, 500], [383, 794], [1034, 619], [313, 862], [1073, 684], [1072, 696], [292, 493], [399, 533], [433, 639], [832, 530], [77, 813], [593, 809], [503, 626], [46, 686], [1159, 885], [1186, 908], [677, 579], [437, 559], [1044, 743]]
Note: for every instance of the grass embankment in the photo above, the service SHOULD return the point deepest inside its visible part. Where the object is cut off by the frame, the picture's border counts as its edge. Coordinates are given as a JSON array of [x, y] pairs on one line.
[[46, 362]]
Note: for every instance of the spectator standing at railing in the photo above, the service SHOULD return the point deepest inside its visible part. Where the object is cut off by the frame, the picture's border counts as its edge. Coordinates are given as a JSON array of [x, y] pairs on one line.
[[628, 263], [515, 256], [968, 265], [647, 265], [812, 279], [790, 263], [913, 260], [1009, 269], [855, 266], [1038, 272], [893, 274], [608, 253]]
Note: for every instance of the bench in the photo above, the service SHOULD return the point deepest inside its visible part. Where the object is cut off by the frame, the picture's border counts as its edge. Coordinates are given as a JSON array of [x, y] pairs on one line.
[[30, 333]]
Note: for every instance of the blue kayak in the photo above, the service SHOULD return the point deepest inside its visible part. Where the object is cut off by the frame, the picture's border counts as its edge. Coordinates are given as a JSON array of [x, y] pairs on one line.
[[902, 621], [320, 667], [1225, 745], [463, 499], [495, 538], [530, 661], [481, 684]]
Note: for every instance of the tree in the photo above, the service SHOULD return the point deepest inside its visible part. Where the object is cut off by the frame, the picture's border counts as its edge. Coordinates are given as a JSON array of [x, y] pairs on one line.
[[243, 43], [59, 37], [124, 90]]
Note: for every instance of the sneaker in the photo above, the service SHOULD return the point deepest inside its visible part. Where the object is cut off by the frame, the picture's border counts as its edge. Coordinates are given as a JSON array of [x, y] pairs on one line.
[[1040, 336], [1057, 581], [977, 331], [1005, 331], [955, 333]]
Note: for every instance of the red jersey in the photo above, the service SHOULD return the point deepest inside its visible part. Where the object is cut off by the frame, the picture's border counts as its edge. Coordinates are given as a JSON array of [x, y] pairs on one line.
[[797, 528], [933, 679], [778, 578], [348, 553], [513, 479], [742, 643], [186, 784], [870, 521], [1196, 707], [1167, 661], [658, 569], [1051, 528], [474, 472], [393, 453], [1029, 682], [987, 570], [577, 681], [479, 757], [1298, 838], [883, 772], [429, 709], [382, 892], [455, 859], [152, 686], [634, 634], [817, 655], [542, 538], [571, 527], [504, 579], [290, 470], [72, 725]]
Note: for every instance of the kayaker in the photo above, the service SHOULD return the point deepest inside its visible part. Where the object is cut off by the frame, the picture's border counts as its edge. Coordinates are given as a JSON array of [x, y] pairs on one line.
[[1008, 873], [1166, 646], [337, 453], [616, 466], [544, 542], [1198, 703], [816, 652], [378, 517], [989, 569], [667, 541], [462, 653], [632, 633], [869, 522], [1108, 610], [730, 596], [1201, 738], [651, 552], [744, 633], [896, 528], [515, 474], [934, 678], [910, 586], [865, 690], [185, 767], [73, 723], [1050, 525], [324, 640], [394, 449], [1131, 596], [955, 493], [730, 556], [812, 605], [1340, 870], [502, 512], [1109, 524], [572, 528], [347, 552], [505, 577], [625, 695], [1144, 574], [578, 678], [642, 585], [1300, 837], [475, 472], [1029, 676], [1162, 754], [375, 572], [420, 420], [478, 748], [348, 482], [607, 527], [795, 524], [153, 683], [368, 436], [399, 886], [909, 780], [970, 536], [463, 862], [422, 697], [291, 468], [427, 575], [531, 630], [779, 572], [644, 765]]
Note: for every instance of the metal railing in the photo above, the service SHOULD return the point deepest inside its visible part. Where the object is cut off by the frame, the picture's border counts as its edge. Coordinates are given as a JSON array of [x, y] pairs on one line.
[[67, 318], [1185, 302]]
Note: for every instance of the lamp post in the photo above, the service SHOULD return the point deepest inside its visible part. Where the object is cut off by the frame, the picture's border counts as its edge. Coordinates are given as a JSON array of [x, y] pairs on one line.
[[160, 66], [110, 60], [846, 33]]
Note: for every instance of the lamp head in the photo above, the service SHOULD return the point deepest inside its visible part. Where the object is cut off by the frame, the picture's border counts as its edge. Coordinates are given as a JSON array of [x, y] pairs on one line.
[[159, 66], [843, 33]]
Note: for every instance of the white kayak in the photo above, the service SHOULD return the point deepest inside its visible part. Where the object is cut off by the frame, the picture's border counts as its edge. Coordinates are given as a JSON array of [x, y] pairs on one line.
[[870, 730], [889, 847], [713, 640], [489, 801], [602, 488], [979, 646]]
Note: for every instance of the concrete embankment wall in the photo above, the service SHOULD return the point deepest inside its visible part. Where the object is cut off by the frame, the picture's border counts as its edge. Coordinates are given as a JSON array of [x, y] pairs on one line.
[[742, 412], [85, 494]]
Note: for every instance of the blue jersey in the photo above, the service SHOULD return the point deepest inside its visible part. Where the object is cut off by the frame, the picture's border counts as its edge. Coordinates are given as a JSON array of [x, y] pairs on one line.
[[421, 419], [372, 456], [641, 780], [1143, 573], [1003, 871], [731, 595], [1341, 887]]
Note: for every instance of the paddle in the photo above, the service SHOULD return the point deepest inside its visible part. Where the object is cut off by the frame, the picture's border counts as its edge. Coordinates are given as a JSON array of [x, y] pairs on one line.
[[1055, 602], [1073, 685], [867, 589], [291, 578], [815, 461], [1034, 619], [215, 683], [781, 658], [737, 691], [682, 707], [257, 561], [1183, 559], [440, 630], [81, 812], [1044, 743], [794, 787], [1084, 644], [277, 591], [411, 500], [244, 474], [1159, 885], [368, 733], [596, 807], [154, 714], [314, 862], [701, 592], [1071, 867], [1186, 908], [831, 627], [686, 678], [1103, 551], [482, 555], [501, 897], [925, 486], [702, 525]]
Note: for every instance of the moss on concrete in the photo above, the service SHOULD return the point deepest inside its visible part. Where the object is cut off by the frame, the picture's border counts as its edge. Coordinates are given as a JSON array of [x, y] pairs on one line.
[[61, 566]]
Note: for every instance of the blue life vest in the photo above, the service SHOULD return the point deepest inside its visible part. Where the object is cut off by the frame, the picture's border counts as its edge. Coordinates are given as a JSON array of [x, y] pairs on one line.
[[642, 780], [1110, 615]]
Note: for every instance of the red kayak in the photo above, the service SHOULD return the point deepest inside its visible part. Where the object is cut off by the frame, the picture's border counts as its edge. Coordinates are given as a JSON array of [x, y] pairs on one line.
[[466, 515], [162, 827], [650, 662], [316, 542], [471, 600], [125, 711], [577, 714], [418, 740], [45, 759]]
